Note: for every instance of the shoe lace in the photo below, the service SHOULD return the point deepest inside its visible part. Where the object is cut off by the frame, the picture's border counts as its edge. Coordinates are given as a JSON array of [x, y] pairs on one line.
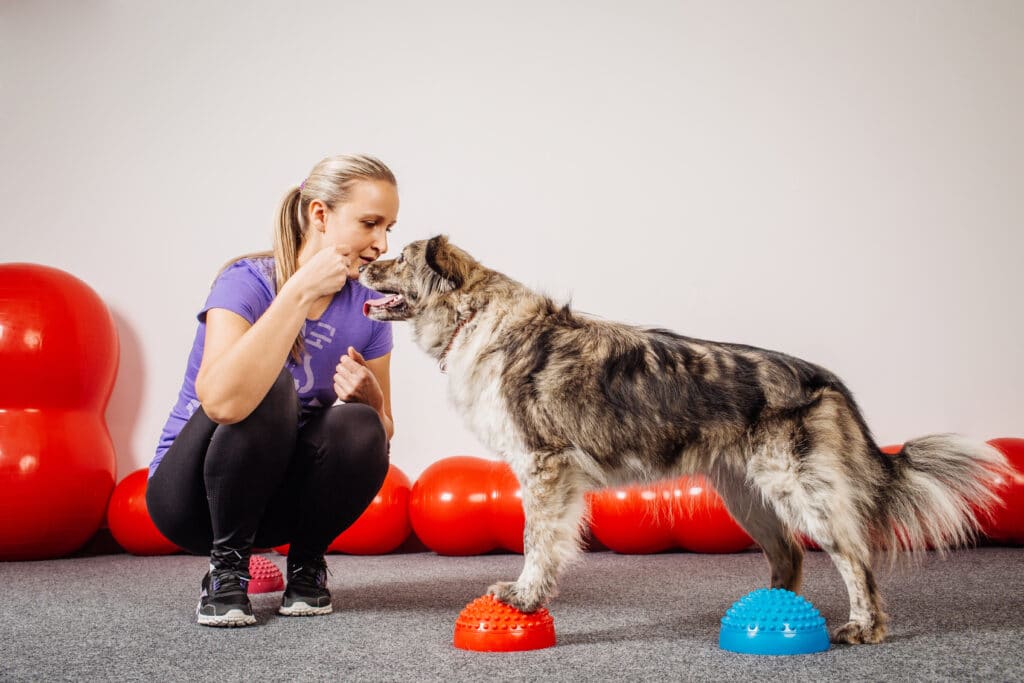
[[311, 573], [227, 582], [230, 575]]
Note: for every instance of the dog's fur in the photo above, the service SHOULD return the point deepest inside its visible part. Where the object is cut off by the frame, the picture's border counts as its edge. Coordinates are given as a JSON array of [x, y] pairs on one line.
[[574, 403]]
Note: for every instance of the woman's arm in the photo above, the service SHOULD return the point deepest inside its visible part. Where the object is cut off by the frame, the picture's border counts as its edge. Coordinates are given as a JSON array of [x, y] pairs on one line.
[[241, 361]]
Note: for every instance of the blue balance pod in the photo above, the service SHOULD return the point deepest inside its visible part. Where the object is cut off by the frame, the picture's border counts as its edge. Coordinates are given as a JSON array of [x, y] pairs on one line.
[[773, 621]]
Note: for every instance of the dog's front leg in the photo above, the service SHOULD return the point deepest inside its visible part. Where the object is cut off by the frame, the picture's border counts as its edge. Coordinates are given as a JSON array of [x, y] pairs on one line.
[[553, 503]]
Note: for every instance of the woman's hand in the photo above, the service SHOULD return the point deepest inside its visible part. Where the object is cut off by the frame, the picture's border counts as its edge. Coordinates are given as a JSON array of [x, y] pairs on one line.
[[324, 274], [355, 383]]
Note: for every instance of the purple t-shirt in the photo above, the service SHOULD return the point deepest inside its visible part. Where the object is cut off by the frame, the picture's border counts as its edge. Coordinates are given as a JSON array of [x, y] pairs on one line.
[[247, 288]]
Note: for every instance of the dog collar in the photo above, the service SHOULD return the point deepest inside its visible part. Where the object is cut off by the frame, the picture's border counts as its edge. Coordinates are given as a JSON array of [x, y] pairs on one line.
[[443, 362]]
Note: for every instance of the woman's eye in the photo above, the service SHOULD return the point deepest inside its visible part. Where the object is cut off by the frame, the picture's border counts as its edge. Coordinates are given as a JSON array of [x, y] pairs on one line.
[[370, 224]]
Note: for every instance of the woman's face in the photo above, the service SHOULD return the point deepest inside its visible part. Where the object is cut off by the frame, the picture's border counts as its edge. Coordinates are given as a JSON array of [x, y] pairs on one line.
[[362, 223]]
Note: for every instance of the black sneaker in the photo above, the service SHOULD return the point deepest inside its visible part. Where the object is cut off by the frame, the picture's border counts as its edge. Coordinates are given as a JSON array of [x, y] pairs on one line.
[[224, 600], [306, 594]]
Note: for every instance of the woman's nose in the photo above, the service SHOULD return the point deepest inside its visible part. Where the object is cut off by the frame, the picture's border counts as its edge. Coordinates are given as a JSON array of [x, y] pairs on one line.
[[381, 243]]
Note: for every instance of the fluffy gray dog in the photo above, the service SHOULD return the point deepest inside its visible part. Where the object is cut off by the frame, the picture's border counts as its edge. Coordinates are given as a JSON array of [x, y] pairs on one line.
[[574, 403]]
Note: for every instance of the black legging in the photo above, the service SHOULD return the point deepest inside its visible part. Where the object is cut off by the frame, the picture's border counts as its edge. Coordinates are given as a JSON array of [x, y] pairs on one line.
[[264, 481]]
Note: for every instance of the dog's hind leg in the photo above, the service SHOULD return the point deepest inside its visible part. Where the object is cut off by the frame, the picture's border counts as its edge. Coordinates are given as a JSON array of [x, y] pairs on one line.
[[812, 494], [745, 503], [867, 622], [832, 521], [553, 502]]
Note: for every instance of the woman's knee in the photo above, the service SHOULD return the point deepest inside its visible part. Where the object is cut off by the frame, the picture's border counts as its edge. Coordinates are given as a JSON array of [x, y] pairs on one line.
[[357, 430], [178, 517], [364, 427], [267, 434]]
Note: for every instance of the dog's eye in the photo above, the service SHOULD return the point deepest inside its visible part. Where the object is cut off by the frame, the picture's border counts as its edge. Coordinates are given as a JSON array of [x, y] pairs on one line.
[[400, 259]]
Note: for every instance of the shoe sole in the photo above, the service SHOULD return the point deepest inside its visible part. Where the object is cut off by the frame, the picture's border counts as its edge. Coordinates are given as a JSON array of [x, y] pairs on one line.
[[301, 609], [233, 617]]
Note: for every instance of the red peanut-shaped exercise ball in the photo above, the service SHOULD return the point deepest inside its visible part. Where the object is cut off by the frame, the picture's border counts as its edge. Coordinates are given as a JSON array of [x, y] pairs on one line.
[[507, 518], [1005, 524], [129, 520], [450, 506], [701, 522], [58, 360], [632, 519], [384, 525]]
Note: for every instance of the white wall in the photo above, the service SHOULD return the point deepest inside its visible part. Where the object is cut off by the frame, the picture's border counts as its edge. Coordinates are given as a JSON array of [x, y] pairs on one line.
[[838, 180]]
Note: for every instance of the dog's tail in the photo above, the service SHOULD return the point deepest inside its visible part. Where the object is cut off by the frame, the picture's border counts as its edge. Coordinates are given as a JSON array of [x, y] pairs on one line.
[[940, 488]]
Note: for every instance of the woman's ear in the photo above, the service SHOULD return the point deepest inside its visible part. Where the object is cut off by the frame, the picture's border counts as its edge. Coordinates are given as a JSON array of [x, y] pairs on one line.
[[317, 215]]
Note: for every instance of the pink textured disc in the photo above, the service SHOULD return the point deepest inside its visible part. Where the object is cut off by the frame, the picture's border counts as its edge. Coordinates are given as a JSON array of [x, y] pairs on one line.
[[266, 577]]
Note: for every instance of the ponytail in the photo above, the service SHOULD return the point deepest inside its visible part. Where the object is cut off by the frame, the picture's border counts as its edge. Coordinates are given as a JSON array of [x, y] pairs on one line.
[[288, 234]]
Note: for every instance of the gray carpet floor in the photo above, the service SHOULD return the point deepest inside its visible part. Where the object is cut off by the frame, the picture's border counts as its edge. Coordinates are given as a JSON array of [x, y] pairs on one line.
[[124, 618]]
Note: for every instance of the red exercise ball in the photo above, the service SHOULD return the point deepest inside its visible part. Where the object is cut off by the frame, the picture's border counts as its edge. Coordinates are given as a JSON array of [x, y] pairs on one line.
[[702, 524], [129, 520], [450, 506], [58, 361], [384, 525], [507, 518], [1005, 524], [632, 519]]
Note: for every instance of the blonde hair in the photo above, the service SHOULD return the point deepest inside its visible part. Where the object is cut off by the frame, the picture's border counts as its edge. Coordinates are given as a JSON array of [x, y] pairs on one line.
[[330, 182]]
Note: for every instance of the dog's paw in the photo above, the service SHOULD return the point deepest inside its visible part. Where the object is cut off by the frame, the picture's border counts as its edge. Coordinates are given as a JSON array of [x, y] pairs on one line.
[[855, 633], [510, 593]]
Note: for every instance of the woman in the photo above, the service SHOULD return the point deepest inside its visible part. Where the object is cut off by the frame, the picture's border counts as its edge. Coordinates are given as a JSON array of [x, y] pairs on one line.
[[257, 451]]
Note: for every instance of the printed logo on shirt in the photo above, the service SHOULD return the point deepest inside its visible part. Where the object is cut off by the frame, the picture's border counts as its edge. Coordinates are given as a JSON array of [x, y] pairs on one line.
[[319, 335], [316, 337]]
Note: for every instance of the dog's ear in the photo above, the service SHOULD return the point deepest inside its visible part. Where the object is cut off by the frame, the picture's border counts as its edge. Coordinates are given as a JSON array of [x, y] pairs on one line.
[[447, 260]]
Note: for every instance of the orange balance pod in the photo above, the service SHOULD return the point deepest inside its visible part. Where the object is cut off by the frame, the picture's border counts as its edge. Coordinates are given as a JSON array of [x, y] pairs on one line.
[[489, 625], [265, 576]]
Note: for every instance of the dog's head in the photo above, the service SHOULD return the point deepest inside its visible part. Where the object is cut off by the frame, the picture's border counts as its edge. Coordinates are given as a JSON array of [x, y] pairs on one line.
[[426, 275]]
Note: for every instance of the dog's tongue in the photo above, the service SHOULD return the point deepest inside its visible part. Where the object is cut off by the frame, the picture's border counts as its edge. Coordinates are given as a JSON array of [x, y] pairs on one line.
[[373, 303]]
